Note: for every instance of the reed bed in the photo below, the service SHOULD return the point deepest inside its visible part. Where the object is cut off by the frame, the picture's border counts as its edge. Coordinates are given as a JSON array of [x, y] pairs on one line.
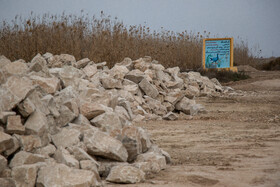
[[104, 39]]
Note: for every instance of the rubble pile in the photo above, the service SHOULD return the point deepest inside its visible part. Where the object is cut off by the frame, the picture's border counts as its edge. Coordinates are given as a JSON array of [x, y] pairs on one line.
[[70, 123]]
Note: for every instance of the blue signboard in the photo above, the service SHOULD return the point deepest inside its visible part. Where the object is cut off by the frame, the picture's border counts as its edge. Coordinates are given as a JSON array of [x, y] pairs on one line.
[[217, 53]]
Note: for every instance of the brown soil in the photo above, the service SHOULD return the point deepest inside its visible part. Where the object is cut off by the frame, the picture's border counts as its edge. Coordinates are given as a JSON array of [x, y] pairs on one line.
[[237, 143]]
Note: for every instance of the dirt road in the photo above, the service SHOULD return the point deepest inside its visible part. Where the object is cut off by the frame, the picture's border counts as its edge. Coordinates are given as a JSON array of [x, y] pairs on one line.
[[237, 143]]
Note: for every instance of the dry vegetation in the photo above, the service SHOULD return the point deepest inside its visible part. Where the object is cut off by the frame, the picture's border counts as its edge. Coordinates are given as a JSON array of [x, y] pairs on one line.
[[104, 39]]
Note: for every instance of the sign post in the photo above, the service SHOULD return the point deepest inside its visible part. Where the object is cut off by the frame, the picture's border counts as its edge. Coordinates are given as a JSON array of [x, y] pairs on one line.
[[218, 53]]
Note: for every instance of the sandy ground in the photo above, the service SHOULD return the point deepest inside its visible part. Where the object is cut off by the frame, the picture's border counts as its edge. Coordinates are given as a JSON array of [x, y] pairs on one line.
[[237, 143]]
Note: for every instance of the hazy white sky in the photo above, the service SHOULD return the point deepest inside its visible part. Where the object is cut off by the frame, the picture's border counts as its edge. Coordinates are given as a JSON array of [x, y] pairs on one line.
[[255, 21]]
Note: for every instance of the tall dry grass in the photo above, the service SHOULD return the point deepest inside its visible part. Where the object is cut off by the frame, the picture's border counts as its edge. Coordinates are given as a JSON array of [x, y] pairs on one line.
[[103, 39]]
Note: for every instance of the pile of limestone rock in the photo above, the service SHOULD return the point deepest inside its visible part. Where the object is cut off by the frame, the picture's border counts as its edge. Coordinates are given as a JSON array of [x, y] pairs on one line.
[[70, 123]]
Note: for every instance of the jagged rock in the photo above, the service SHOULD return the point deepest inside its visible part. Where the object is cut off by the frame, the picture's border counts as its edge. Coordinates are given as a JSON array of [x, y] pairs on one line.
[[4, 61], [63, 176], [25, 158], [3, 163], [29, 142], [135, 76], [7, 182], [61, 155], [174, 97], [60, 60], [141, 64], [81, 120], [25, 175], [122, 113], [26, 107], [100, 144], [89, 165], [73, 106], [4, 116], [14, 125], [153, 162], [107, 122], [52, 106], [90, 70], [49, 85], [127, 62], [36, 124], [16, 146], [170, 116], [36, 98], [65, 95], [66, 138], [6, 142], [81, 63], [185, 105], [155, 149], [66, 116], [135, 140], [80, 154], [192, 91], [118, 72], [110, 83], [155, 106], [47, 151], [169, 107], [125, 104], [148, 88], [138, 118], [70, 76], [14, 91], [38, 63], [18, 67], [91, 110], [126, 174]]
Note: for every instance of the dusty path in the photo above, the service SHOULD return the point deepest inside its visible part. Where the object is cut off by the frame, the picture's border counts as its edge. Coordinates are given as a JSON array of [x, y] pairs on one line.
[[237, 143]]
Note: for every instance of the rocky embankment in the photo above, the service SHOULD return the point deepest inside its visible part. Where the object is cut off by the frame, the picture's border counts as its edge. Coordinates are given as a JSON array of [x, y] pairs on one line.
[[70, 123]]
